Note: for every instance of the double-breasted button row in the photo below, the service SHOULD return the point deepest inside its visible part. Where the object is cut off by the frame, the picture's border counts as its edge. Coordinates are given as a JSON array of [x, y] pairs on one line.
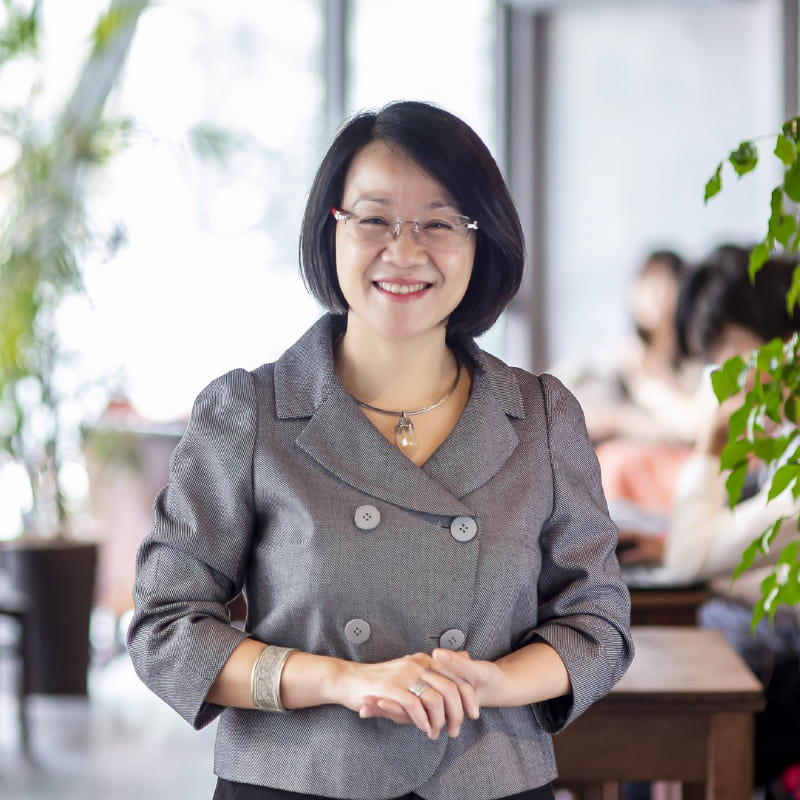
[[358, 631], [368, 517]]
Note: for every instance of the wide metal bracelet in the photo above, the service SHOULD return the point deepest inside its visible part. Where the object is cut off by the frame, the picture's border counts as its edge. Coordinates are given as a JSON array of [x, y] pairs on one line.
[[265, 679]]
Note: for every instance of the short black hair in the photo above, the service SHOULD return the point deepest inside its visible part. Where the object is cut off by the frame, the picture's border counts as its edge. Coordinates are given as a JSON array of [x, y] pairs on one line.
[[451, 152], [719, 292], [668, 258]]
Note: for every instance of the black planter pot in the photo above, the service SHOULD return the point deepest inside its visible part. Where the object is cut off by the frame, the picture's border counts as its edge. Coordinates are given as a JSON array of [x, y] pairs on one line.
[[58, 580]]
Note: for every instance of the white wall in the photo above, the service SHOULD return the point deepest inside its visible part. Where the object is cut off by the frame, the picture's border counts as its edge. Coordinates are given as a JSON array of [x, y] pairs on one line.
[[643, 101]]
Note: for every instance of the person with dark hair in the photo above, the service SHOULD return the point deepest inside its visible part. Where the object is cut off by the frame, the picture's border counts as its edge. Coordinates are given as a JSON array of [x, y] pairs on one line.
[[640, 397], [640, 389], [721, 313], [419, 529]]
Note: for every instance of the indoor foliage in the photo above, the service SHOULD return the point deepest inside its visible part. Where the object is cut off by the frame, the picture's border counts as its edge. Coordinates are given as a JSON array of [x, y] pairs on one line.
[[765, 424]]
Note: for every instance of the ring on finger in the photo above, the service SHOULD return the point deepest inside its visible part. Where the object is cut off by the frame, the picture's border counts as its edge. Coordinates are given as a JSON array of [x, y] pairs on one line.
[[418, 687]]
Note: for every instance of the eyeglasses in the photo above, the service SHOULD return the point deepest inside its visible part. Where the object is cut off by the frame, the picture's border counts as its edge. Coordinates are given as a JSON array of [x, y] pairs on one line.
[[440, 233]]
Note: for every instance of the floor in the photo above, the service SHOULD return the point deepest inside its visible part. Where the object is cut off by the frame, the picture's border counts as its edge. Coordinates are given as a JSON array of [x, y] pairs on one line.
[[124, 744]]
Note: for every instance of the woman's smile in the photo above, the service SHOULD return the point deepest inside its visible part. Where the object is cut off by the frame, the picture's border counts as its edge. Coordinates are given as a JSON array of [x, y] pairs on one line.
[[401, 289]]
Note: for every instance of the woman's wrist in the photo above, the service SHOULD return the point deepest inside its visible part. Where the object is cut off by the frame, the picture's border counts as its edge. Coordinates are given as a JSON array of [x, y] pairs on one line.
[[529, 675], [311, 680]]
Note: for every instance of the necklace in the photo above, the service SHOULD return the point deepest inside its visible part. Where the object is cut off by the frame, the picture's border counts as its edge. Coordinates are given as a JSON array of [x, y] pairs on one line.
[[405, 437]]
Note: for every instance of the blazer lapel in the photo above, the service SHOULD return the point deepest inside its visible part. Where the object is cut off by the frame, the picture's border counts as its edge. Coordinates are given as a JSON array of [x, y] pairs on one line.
[[478, 446], [342, 440]]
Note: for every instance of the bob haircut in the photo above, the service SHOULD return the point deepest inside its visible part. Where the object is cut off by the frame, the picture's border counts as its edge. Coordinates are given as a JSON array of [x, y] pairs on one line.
[[452, 153], [720, 293]]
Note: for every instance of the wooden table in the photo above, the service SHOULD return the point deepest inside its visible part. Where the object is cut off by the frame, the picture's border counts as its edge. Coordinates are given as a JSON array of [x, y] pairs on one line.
[[683, 712], [667, 605]]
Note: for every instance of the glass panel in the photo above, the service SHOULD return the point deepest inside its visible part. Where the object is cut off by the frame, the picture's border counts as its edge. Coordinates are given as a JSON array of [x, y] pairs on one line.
[[442, 52], [228, 113], [643, 102]]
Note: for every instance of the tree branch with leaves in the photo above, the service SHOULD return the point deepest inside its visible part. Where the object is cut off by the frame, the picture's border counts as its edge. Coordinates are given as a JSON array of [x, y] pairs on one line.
[[764, 427]]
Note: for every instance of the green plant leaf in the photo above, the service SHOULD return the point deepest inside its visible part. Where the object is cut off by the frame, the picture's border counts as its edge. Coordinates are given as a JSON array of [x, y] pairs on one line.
[[793, 294], [714, 184], [791, 182], [737, 424], [775, 205], [748, 557], [726, 380], [735, 483], [19, 33], [771, 448], [755, 421], [734, 454], [786, 150], [744, 158], [758, 613], [758, 257], [790, 408], [760, 545], [787, 225], [773, 402], [768, 356], [784, 476], [790, 128]]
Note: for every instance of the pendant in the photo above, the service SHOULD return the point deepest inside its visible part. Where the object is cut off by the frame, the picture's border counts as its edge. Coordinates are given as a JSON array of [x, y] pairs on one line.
[[405, 436]]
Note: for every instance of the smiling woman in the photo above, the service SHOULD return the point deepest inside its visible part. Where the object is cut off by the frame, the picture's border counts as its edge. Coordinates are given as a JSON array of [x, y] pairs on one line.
[[380, 280], [400, 583]]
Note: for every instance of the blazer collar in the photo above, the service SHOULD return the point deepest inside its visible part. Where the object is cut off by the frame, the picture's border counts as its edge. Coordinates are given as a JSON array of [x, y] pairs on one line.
[[341, 439]]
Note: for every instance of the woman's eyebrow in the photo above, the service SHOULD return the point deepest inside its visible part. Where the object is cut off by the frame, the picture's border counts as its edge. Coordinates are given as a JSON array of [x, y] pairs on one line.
[[385, 201]]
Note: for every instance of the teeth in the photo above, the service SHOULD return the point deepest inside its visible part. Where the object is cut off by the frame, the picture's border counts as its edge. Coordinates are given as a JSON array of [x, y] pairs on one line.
[[401, 288]]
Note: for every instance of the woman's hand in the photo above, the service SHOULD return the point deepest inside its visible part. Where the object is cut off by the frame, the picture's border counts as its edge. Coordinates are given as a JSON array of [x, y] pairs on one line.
[[474, 680], [531, 674], [640, 548], [383, 690]]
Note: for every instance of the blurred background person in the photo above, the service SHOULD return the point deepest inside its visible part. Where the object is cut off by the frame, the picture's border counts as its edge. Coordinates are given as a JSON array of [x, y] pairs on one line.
[[722, 314], [640, 399]]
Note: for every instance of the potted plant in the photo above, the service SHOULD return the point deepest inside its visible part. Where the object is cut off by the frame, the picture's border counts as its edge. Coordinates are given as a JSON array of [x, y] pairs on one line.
[[43, 236]]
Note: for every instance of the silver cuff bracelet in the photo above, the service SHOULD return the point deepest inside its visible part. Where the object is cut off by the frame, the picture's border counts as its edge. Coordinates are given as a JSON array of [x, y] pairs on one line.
[[265, 680]]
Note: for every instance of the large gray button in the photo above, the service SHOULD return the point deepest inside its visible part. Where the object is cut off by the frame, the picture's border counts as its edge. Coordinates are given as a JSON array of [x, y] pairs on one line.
[[367, 517], [463, 529], [357, 631], [453, 639]]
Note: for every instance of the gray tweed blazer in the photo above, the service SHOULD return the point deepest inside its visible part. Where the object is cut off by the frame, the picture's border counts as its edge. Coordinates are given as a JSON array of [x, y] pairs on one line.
[[282, 487]]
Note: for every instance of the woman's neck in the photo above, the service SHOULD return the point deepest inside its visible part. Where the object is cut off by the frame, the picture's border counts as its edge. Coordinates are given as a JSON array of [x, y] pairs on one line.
[[395, 374]]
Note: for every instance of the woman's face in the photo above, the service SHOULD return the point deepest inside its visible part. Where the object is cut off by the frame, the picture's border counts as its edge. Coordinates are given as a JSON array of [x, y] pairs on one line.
[[397, 289], [734, 340]]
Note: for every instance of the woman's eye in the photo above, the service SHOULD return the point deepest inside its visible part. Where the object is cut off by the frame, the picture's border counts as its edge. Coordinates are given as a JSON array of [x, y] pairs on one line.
[[372, 221], [438, 225]]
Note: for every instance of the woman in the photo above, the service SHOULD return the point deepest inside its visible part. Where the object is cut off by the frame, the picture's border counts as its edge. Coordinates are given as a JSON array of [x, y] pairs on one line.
[[418, 528]]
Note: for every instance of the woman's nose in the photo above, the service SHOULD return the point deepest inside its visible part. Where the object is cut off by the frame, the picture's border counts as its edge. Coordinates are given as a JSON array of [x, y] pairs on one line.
[[404, 247]]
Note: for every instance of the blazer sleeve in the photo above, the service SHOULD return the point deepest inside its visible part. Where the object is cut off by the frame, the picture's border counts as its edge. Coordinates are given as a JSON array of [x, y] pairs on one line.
[[584, 605], [192, 562]]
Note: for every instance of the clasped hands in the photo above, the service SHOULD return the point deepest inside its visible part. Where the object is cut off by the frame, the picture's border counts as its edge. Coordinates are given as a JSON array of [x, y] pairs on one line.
[[457, 686]]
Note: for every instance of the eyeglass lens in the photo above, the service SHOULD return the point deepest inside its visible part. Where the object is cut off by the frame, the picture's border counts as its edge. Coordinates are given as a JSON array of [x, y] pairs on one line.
[[448, 231]]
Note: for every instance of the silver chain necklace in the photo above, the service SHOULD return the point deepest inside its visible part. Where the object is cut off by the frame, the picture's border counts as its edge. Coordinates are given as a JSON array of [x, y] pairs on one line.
[[405, 436]]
